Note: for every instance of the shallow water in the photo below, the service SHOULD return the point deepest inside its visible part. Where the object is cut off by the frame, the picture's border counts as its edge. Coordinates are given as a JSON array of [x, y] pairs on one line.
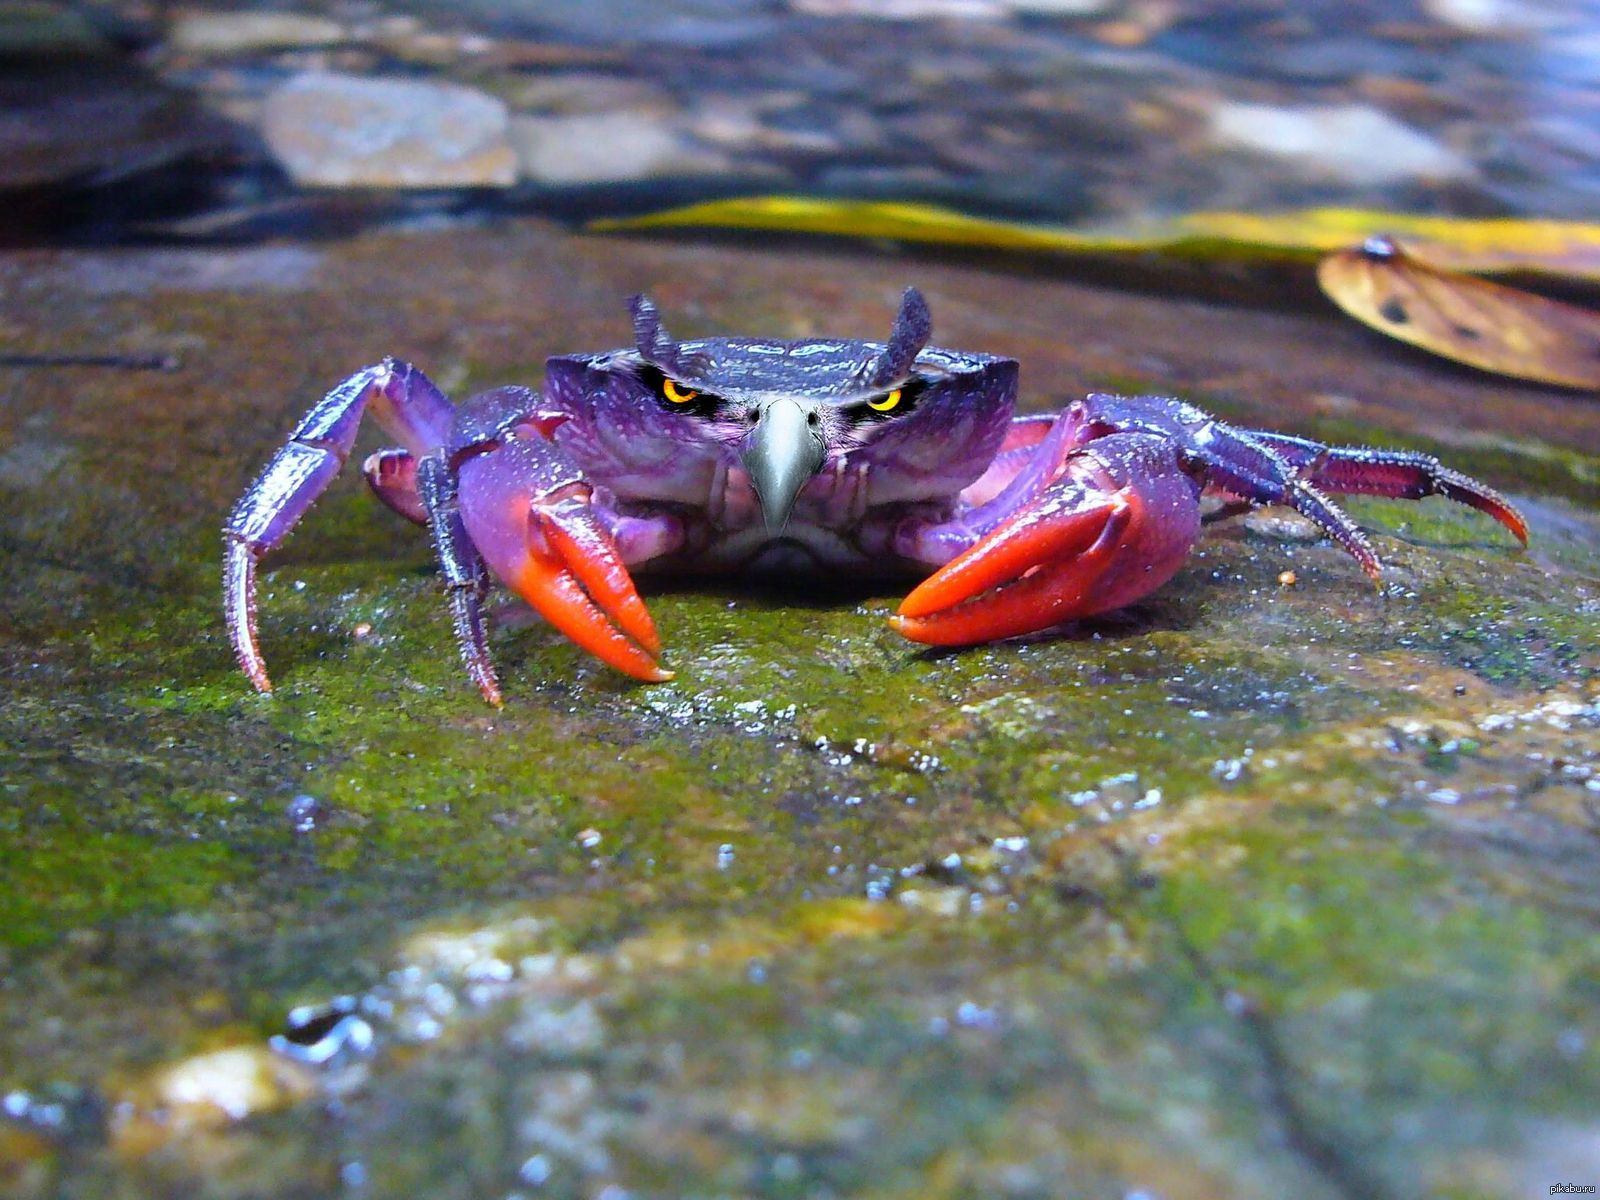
[[197, 125]]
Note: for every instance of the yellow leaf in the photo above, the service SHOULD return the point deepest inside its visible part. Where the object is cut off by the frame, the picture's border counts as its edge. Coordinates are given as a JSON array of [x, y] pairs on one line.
[[1562, 248]]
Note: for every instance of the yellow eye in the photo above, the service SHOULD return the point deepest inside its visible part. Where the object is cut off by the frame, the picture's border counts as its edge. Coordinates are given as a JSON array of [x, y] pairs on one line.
[[676, 393], [886, 402]]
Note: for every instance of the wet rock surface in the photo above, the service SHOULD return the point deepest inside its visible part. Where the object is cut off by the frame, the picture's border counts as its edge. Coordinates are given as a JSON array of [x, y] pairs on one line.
[[1259, 889]]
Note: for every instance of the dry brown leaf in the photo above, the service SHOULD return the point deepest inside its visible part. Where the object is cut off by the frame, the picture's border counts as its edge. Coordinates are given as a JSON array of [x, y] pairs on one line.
[[1464, 318]]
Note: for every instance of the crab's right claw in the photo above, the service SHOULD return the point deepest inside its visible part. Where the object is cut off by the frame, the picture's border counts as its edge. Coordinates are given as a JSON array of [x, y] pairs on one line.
[[1027, 575], [1114, 525], [535, 527]]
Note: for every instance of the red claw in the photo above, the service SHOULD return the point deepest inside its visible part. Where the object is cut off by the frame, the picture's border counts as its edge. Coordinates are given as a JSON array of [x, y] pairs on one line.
[[1115, 524], [579, 584], [534, 527], [588, 552], [1033, 572]]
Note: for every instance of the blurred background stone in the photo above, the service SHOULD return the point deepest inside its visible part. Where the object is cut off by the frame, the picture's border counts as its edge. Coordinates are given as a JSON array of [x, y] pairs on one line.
[[344, 131]]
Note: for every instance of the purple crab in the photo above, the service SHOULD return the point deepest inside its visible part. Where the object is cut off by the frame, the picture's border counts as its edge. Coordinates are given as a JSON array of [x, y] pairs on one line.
[[800, 458]]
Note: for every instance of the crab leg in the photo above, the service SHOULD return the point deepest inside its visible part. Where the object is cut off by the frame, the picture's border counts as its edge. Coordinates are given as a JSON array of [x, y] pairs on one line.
[[1241, 466], [404, 401], [1249, 467], [465, 577], [1115, 523], [530, 514], [1395, 474]]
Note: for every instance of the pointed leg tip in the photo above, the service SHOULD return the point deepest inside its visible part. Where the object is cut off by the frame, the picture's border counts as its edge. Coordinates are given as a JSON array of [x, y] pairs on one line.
[[1371, 566]]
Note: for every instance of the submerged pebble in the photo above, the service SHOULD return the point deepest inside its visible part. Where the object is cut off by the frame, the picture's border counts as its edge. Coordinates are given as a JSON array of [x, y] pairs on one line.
[[331, 130]]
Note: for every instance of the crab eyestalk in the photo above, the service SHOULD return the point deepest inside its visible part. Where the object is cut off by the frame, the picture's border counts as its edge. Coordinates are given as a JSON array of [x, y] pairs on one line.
[[783, 451]]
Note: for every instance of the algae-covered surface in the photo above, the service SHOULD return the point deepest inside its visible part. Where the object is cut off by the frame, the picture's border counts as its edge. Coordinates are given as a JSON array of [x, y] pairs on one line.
[[1258, 889]]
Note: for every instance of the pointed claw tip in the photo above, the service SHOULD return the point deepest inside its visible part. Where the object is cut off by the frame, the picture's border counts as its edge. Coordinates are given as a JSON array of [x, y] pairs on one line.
[[654, 673], [920, 601], [913, 629]]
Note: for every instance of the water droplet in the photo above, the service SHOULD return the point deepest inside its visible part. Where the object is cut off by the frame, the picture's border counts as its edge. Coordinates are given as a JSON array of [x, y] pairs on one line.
[[304, 813], [975, 1016]]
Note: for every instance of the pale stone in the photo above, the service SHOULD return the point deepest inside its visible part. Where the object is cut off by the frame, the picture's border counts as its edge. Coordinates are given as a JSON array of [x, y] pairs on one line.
[[223, 1085], [206, 1091], [1500, 16], [901, 10], [1059, 8], [349, 131], [572, 93], [1352, 143], [590, 148], [239, 33]]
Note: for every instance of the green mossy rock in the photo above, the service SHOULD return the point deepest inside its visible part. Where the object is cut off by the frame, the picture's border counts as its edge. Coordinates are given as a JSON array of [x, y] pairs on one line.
[[1255, 890]]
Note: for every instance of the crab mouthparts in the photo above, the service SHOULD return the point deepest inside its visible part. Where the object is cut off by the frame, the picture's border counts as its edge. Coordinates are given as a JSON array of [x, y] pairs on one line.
[[783, 451]]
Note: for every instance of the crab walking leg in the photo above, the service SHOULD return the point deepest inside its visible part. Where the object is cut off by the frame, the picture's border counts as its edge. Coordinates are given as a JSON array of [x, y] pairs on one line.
[[1242, 467], [1115, 523], [465, 577], [1395, 474], [529, 512], [405, 402]]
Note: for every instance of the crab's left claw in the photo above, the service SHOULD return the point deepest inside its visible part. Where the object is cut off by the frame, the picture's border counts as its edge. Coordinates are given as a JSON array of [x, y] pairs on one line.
[[1115, 523], [531, 518]]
